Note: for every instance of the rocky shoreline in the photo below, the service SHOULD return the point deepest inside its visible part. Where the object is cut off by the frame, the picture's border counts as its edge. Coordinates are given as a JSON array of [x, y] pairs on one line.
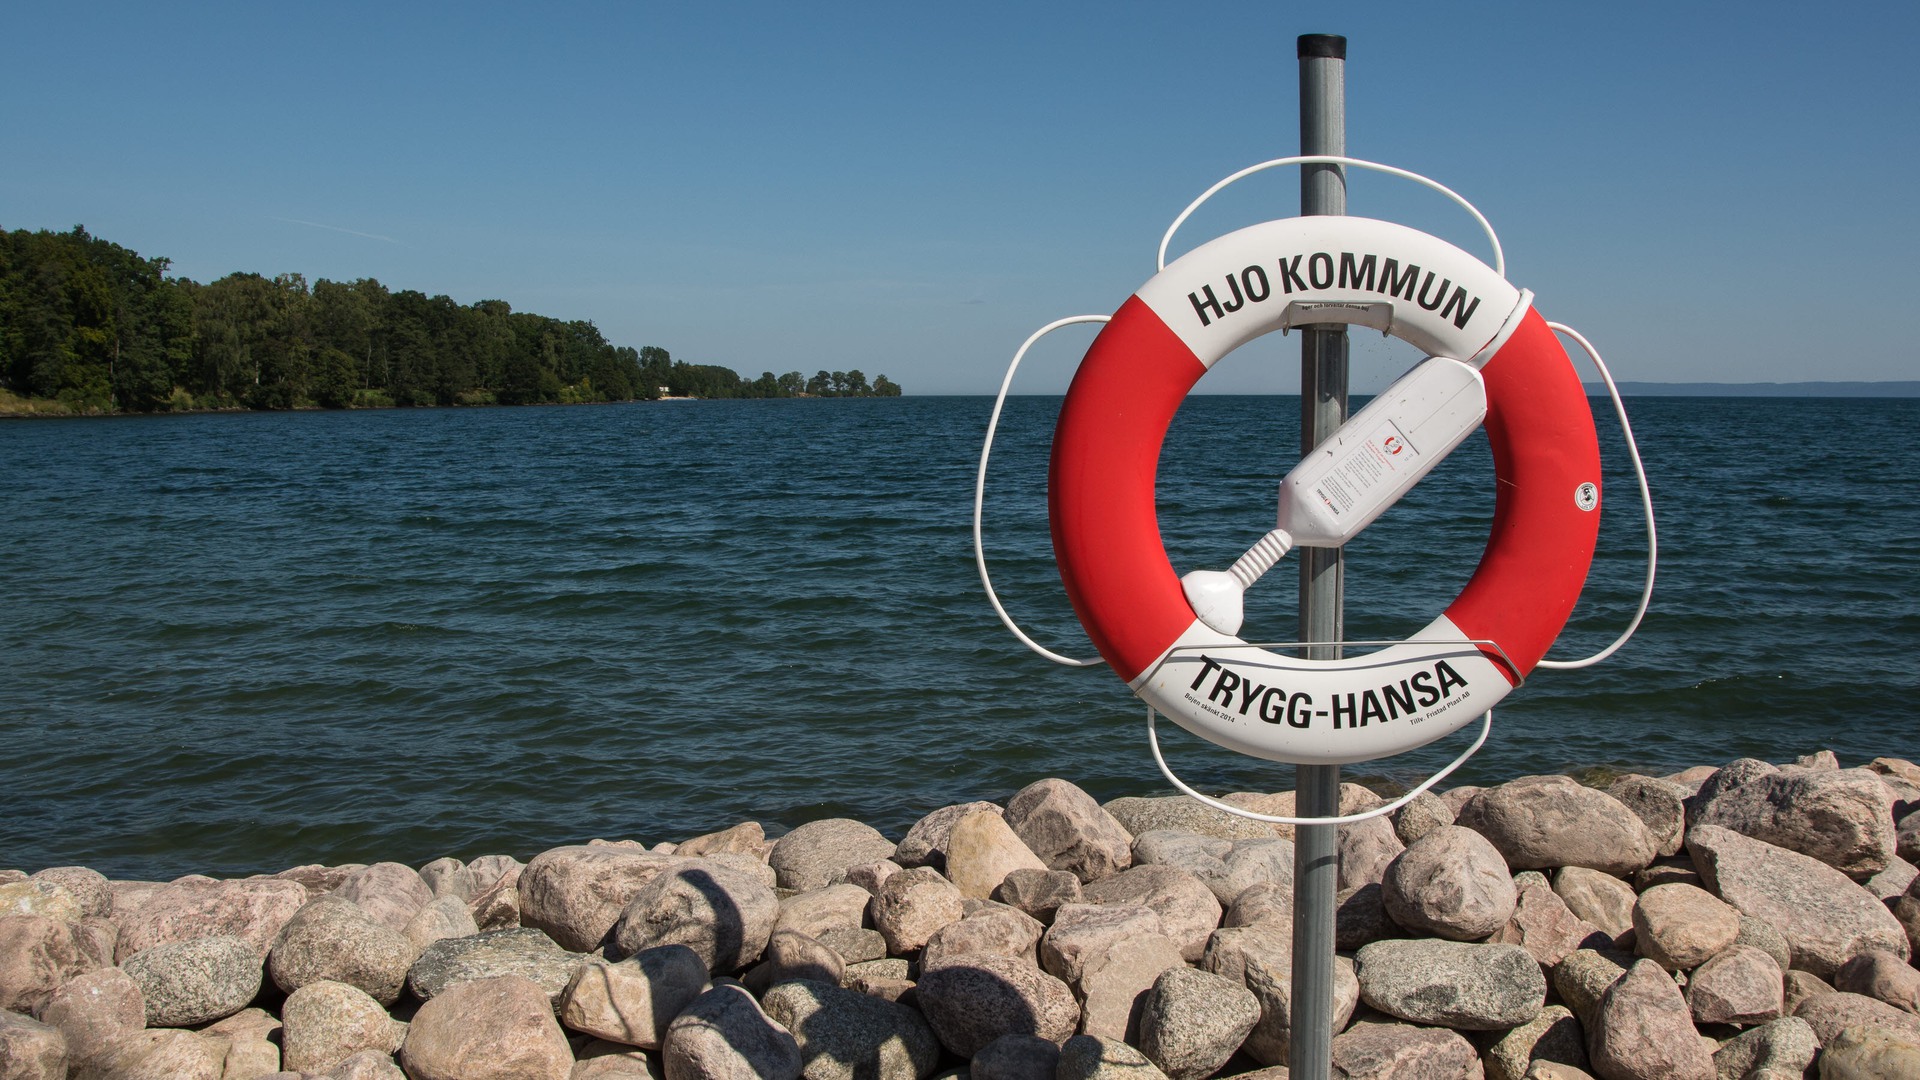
[[1751, 921]]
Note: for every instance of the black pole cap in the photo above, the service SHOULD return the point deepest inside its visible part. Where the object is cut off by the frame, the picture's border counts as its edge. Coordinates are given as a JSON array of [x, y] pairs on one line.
[[1323, 46]]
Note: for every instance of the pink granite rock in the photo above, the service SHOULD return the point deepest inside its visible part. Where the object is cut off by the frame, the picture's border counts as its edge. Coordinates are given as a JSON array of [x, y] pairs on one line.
[[1373, 1048], [1879, 974], [1825, 917], [89, 887], [633, 1001], [1741, 985], [995, 928], [926, 842], [325, 1023], [1188, 910], [1830, 1014], [1546, 821], [1191, 1022], [982, 850], [1599, 898], [724, 1035], [496, 906], [445, 917], [746, 838], [30, 1050], [724, 915], [1082, 932], [333, 939], [973, 1002], [94, 1010], [1679, 927], [1068, 830], [37, 956], [819, 852], [500, 1028], [833, 907], [1645, 1031], [251, 909], [1450, 883], [1660, 805], [1543, 925], [575, 894], [911, 905], [1841, 817]]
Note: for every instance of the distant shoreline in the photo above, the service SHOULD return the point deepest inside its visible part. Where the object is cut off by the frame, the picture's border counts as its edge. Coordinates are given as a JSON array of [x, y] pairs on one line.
[[14, 407], [1904, 388]]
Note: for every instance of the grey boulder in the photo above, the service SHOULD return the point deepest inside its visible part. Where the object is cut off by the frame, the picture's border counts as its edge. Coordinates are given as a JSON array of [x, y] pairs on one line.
[[1452, 984]]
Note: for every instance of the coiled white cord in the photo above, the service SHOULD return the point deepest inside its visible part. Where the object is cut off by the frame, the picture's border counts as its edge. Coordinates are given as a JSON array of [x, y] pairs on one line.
[[980, 493], [1646, 505], [1153, 740]]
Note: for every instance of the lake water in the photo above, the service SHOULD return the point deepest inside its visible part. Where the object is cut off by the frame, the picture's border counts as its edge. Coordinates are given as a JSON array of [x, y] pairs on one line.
[[235, 643]]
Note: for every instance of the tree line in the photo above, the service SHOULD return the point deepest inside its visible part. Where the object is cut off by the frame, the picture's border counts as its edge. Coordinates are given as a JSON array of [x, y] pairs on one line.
[[99, 328]]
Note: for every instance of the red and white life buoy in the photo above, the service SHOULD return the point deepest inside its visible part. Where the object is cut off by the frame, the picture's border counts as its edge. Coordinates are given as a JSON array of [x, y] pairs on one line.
[[1293, 272]]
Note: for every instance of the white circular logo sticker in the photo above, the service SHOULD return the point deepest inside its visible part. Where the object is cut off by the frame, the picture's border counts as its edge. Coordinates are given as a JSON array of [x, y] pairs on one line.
[[1586, 496]]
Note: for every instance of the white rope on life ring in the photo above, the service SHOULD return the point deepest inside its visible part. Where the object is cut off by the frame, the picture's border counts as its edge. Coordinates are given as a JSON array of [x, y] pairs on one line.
[[1293, 272]]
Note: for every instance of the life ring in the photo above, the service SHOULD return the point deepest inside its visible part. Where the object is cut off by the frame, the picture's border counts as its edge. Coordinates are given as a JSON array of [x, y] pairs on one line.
[[1293, 272]]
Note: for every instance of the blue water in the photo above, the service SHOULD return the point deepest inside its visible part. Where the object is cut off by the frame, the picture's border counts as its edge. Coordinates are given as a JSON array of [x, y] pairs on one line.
[[235, 643]]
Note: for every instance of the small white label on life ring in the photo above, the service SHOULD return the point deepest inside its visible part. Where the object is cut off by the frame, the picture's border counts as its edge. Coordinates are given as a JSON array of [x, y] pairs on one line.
[[1586, 496]]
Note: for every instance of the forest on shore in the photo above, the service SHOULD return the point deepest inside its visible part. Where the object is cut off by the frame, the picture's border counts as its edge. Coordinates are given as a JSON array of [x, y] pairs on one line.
[[88, 326]]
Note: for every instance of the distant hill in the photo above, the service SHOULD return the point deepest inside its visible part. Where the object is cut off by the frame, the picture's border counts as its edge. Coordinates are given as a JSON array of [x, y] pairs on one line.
[[1906, 388]]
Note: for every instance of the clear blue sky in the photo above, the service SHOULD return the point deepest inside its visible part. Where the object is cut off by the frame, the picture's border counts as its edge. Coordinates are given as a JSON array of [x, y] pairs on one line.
[[1710, 191]]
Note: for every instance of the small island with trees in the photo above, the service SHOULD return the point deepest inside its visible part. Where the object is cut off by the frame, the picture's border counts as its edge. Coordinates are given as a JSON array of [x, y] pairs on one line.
[[88, 327]]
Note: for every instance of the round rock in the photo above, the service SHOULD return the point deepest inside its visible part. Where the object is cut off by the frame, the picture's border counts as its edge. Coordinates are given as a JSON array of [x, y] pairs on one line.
[[926, 842], [974, 1000], [1088, 1057], [37, 955], [911, 905], [820, 852], [723, 914], [1779, 1048], [1015, 1057], [724, 1035], [1882, 975], [88, 887], [446, 917], [575, 894], [1741, 985], [390, 892], [1680, 926], [633, 1001], [1450, 883], [332, 939], [325, 1023], [252, 909], [499, 1028], [1543, 821], [195, 981], [30, 1050], [95, 1009]]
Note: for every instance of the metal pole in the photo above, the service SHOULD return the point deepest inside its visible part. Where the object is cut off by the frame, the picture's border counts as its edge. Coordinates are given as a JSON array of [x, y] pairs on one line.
[[1323, 406]]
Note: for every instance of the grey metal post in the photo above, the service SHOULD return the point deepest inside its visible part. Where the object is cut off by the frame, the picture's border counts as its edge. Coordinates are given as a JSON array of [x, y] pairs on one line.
[[1323, 406]]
